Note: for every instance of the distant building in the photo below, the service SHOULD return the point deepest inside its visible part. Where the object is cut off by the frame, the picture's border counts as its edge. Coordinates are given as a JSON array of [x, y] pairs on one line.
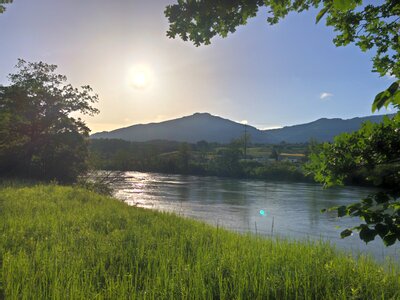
[[292, 157], [261, 159]]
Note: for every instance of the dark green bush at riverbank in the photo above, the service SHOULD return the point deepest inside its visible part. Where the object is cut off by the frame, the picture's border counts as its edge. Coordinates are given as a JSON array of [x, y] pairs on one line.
[[61, 242]]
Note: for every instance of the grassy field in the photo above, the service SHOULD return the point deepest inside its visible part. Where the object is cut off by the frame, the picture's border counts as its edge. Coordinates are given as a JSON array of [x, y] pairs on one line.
[[62, 242]]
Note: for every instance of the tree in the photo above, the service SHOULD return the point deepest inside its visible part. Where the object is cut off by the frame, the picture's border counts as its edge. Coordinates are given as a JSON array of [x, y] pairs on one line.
[[227, 160], [184, 157], [370, 27], [274, 153], [243, 142], [38, 136], [2, 7]]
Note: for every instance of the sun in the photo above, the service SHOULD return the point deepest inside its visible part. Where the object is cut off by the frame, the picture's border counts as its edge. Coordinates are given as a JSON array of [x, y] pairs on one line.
[[140, 76], [140, 79]]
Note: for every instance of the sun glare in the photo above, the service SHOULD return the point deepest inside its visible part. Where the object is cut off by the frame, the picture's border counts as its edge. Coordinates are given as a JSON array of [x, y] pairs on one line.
[[140, 76]]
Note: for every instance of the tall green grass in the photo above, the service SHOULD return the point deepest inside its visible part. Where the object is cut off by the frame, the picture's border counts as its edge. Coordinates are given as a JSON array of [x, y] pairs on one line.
[[67, 243]]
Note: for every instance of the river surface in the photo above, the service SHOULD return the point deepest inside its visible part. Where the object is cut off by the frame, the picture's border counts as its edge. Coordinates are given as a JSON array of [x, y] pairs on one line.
[[268, 208]]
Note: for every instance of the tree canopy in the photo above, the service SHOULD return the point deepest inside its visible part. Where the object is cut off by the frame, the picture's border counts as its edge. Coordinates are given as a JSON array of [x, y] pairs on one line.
[[38, 136], [2, 7], [372, 27]]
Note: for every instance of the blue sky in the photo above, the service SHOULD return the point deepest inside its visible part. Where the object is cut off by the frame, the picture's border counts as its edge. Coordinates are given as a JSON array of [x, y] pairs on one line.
[[269, 75]]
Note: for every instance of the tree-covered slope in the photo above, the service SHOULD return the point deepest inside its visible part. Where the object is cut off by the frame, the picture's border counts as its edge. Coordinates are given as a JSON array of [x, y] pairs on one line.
[[204, 126]]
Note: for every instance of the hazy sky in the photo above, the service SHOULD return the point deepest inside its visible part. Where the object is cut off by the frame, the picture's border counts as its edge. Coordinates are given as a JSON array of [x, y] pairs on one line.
[[271, 76]]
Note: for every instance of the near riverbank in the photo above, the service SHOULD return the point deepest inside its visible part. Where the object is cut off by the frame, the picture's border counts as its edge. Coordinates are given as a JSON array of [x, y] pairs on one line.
[[64, 242]]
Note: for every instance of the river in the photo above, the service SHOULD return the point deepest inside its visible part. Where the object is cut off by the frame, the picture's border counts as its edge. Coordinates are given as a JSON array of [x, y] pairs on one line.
[[290, 210]]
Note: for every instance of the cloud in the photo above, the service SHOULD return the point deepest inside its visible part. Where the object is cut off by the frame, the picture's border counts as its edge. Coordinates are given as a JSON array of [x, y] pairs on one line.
[[390, 76], [325, 95], [270, 127]]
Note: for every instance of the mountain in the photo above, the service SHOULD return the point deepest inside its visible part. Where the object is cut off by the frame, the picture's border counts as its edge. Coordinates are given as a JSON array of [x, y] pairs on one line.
[[204, 126], [194, 128], [322, 130]]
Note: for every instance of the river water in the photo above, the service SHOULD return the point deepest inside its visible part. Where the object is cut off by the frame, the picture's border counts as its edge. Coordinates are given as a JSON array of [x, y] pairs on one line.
[[289, 210]]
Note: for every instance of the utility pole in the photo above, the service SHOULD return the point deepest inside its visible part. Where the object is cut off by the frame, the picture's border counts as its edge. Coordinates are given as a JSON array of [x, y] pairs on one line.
[[245, 141], [244, 122]]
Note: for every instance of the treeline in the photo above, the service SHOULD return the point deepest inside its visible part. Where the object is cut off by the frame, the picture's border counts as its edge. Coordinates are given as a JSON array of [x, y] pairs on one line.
[[201, 158]]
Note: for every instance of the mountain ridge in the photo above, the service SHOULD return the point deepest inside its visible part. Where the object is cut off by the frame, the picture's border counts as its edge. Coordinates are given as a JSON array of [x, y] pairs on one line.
[[210, 128]]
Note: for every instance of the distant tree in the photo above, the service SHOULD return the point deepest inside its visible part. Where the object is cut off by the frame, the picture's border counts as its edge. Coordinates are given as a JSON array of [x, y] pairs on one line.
[[2, 7], [274, 153], [227, 161], [202, 145], [183, 157], [243, 142], [38, 136], [312, 147], [121, 160]]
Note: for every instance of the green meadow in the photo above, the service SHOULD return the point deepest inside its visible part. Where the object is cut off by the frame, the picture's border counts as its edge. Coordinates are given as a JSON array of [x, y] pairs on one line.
[[68, 243]]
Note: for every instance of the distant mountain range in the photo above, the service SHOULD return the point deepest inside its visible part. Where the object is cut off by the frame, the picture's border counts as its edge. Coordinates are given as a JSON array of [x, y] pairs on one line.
[[204, 126]]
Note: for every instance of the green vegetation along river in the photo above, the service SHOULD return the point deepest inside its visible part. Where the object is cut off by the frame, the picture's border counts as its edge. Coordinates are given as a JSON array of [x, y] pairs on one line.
[[290, 209]]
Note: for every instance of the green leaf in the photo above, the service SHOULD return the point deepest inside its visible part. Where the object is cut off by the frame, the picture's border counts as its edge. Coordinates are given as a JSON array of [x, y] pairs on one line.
[[345, 233], [380, 100], [344, 5], [394, 87], [395, 100], [381, 197], [342, 211], [321, 14], [389, 239], [367, 234], [386, 97], [382, 229]]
